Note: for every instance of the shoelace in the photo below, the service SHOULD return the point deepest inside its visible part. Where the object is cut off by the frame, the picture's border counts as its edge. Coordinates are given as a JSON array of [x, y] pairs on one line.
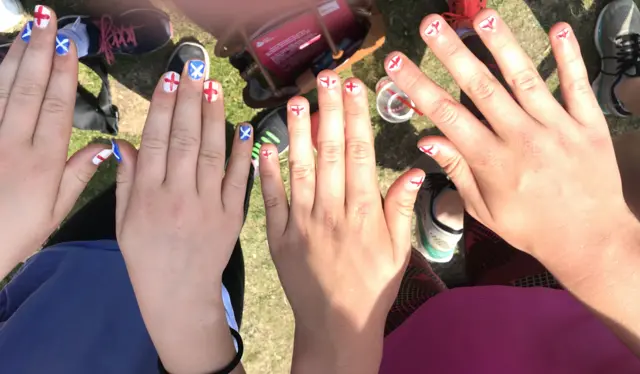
[[628, 55], [113, 37]]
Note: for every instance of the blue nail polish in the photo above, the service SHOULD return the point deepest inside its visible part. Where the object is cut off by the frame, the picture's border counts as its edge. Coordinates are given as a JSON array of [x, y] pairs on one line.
[[63, 44], [26, 32], [245, 132], [196, 69], [116, 151]]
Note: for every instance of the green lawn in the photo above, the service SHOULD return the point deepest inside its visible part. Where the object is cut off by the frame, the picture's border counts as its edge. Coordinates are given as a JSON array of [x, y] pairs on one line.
[[268, 322]]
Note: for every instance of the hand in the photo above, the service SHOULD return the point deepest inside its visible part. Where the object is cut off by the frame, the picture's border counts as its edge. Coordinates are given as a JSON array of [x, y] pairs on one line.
[[38, 186], [339, 255], [545, 179], [178, 219]]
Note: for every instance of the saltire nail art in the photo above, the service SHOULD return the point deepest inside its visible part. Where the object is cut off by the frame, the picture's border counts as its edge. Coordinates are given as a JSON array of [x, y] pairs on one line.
[[488, 24], [352, 88], [395, 63], [298, 110], [328, 82], [433, 29], [211, 91], [102, 156], [196, 69], [26, 32], [170, 82], [116, 151], [42, 16], [245, 132], [62, 45]]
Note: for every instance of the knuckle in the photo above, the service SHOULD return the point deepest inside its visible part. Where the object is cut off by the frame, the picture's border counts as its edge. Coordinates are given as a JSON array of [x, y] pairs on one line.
[[235, 184], [209, 157], [183, 139], [451, 49], [404, 207], [271, 202], [359, 150], [445, 112], [527, 80], [332, 107], [482, 86], [330, 151], [84, 176], [27, 89], [300, 170], [55, 105], [453, 166], [154, 144], [580, 86], [330, 221]]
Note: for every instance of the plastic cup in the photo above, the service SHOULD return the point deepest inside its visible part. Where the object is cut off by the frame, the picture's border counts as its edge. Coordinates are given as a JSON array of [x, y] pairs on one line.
[[391, 102]]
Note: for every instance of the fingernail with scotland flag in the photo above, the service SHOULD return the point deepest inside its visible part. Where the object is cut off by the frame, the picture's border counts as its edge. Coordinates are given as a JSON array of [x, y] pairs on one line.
[[116, 151], [245, 132], [196, 69], [26, 32], [63, 44]]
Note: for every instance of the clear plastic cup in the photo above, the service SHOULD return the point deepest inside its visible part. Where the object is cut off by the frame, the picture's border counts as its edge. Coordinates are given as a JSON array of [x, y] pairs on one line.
[[392, 103]]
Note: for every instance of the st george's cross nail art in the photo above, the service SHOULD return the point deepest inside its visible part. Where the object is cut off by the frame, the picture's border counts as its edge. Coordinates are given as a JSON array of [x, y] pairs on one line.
[[395, 63], [430, 150], [328, 82], [26, 32], [41, 16], [170, 82], [298, 110], [62, 45], [196, 69], [489, 24], [415, 183], [564, 34], [434, 28], [116, 151], [245, 132], [352, 88], [102, 157], [211, 91], [266, 153]]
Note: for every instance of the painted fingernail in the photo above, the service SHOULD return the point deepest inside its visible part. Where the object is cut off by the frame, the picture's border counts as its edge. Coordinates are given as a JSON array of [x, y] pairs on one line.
[[170, 82], [430, 150], [26, 32], [395, 63], [245, 132], [102, 157], [196, 69], [415, 183], [42, 16], [489, 24], [433, 29], [116, 151], [298, 110], [564, 34], [328, 82], [62, 45], [266, 153], [353, 88], [211, 91]]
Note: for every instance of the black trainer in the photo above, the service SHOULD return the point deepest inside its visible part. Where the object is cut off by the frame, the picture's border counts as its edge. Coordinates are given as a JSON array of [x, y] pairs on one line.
[[185, 51], [270, 126], [134, 32]]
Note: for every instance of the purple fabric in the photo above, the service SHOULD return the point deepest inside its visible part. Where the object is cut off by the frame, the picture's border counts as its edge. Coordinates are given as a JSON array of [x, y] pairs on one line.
[[505, 330]]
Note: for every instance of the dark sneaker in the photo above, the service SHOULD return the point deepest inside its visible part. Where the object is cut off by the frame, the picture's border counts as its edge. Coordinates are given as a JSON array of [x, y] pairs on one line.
[[4, 48], [270, 126], [134, 32], [437, 242], [617, 38], [185, 52]]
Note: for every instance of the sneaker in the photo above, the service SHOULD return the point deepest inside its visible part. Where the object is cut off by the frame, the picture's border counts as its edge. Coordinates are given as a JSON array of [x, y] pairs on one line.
[[437, 242], [134, 32], [462, 12], [270, 126], [186, 51], [10, 14], [4, 48], [617, 38]]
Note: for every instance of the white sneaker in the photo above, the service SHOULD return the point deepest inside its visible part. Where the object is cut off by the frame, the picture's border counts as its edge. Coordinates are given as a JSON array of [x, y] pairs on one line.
[[10, 14]]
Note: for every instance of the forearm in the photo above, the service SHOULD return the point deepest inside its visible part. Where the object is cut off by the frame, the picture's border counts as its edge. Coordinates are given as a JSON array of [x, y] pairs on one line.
[[606, 279]]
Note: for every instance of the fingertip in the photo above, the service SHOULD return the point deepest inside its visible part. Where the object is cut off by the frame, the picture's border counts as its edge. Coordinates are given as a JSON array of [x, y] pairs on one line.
[[353, 87], [394, 62], [560, 31]]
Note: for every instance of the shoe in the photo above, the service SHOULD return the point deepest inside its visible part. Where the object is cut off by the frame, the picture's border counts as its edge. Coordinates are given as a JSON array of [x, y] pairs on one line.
[[10, 14], [437, 242], [134, 32], [617, 39], [185, 52], [270, 126], [462, 12], [4, 48]]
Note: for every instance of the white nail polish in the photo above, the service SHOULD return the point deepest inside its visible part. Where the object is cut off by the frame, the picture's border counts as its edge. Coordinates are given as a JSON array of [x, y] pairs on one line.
[[170, 82], [395, 64], [488, 24], [41, 16], [433, 29], [102, 157]]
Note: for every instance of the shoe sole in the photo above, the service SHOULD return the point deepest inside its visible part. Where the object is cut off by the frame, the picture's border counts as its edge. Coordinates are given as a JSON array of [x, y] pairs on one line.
[[207, 59], [163, 14], [596, 86]]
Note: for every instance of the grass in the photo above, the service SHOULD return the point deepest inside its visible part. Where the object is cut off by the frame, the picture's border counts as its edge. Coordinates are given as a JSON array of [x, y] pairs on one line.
[[268, 323]]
